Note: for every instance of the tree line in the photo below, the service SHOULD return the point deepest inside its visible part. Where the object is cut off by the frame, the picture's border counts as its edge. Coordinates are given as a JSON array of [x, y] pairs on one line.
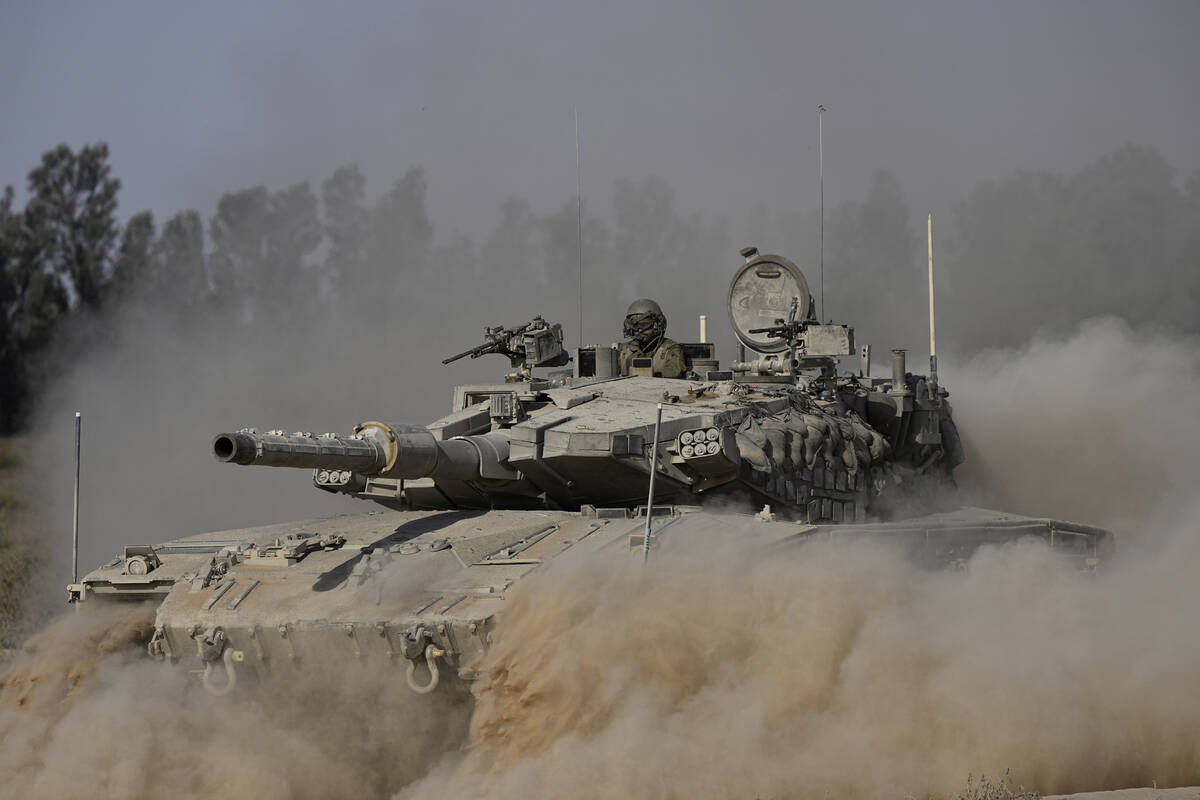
[[1029, 250], [282, 257]]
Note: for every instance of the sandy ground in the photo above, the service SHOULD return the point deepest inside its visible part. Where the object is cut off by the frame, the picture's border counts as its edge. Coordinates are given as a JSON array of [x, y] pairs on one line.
[[1184, 793]]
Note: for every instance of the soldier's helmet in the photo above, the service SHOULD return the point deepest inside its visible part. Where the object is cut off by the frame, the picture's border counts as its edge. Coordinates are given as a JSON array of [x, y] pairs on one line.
[[645, 321]]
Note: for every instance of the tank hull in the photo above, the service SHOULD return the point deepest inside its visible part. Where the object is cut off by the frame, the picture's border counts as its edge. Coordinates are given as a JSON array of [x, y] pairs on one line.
[[423, 589]]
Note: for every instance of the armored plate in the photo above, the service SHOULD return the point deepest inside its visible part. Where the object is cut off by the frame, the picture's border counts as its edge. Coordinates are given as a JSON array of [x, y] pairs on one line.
[[761, 293], [386, 586]]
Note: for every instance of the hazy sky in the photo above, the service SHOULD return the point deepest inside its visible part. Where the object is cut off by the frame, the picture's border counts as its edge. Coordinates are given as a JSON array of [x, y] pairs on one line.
[[717, 98]]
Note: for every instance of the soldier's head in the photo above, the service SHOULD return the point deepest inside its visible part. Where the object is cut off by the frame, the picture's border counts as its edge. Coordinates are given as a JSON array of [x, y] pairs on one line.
[[645, 322]]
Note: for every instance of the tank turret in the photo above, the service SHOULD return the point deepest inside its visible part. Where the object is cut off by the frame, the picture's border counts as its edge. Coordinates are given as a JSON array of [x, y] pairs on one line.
[[784, 430]]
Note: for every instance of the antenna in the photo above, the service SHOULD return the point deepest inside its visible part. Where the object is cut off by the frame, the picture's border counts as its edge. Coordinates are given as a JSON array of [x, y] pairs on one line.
[[579, 220], [653, 472], [821, 175], [932, 334], [75, 526]]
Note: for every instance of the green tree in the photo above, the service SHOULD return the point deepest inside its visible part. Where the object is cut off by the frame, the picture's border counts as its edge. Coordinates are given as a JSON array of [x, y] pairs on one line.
[[238, 232], [10, 226], [346, 220], [134, 264], [32, 301], [294, 233], [179, 279], [9, 232], [71, 217], [261, 242], [399, 235], [1119, 223], [1039, 250]]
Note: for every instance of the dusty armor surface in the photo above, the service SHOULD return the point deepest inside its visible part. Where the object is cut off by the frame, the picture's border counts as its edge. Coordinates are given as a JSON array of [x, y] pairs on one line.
[[537, 468]]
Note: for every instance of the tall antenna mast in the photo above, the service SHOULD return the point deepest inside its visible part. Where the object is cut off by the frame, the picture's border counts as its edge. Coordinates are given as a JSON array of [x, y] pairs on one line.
[[932, 334], [579, 220], [75, 525], [821, 175]]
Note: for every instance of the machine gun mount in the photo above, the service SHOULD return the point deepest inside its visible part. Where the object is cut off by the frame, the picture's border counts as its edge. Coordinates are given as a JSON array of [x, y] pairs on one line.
[[537, 343]]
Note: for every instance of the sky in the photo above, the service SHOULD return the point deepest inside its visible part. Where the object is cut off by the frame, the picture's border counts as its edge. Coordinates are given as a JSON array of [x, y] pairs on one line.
[[719, 99]]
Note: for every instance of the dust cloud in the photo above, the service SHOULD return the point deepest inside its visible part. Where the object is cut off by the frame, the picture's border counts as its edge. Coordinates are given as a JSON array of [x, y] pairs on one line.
[[1097, 427], [79, 712], [160, 387], [726, 670], [835, 672], [842, 671]]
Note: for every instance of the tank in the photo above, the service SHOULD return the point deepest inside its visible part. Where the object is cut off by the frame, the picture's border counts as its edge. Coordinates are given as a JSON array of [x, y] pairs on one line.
[[796, 439]]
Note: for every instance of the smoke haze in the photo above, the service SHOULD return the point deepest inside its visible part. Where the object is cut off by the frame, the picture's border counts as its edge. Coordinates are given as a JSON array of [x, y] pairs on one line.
[[1069, 295], [722, 670], [842, 671], [77, 711], [719, 99]]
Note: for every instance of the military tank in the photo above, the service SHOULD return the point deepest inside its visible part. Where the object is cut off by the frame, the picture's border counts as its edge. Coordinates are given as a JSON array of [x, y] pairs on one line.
[[570, 463]]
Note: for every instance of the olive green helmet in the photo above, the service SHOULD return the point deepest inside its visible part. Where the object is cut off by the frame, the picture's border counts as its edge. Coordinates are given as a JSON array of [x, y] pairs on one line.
[[646, 322]]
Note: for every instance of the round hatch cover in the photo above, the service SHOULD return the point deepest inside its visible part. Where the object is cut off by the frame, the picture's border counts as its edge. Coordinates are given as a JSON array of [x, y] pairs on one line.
[[760, 293]]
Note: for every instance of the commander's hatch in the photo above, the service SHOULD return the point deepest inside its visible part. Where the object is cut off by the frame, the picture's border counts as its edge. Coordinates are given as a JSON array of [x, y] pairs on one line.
[[771, 311]]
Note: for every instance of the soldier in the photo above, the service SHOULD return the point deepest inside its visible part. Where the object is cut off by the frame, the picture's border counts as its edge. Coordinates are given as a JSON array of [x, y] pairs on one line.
[[645, 326]]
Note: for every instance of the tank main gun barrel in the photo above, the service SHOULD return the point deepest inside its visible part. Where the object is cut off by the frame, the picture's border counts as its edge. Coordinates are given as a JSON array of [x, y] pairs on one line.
[[300, 450], [375, 448]]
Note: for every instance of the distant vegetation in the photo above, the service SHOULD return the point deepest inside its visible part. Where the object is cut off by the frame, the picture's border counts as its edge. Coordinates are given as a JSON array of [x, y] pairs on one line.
[[1028, 250], [985, 789], [17, 557]]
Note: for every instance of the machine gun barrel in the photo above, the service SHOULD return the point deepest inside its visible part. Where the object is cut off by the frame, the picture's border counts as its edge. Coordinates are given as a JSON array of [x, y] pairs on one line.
[[375, 448], [475, 352], [789, 330]]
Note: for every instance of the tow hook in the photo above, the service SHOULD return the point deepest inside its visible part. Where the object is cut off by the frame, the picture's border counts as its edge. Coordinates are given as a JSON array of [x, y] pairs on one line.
[[211, 647], [159, 646], [432, 653]]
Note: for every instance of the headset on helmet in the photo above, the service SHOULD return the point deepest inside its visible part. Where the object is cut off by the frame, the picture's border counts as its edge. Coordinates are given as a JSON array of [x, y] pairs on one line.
[[645, 315]]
